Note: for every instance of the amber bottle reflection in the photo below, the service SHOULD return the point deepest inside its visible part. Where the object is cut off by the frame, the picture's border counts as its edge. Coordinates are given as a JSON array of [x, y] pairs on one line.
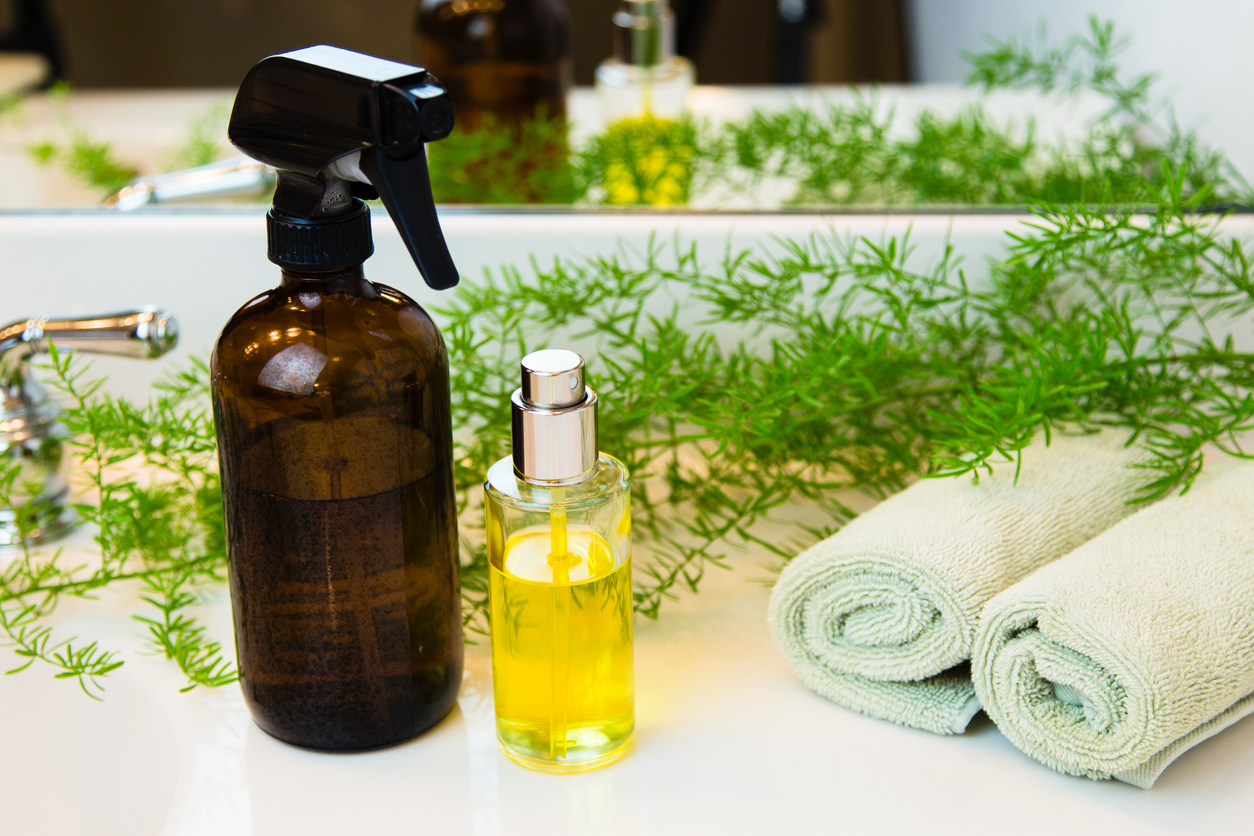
[[334, 433], [510, 58]]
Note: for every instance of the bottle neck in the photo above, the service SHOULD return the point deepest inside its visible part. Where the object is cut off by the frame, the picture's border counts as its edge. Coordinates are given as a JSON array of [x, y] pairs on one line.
[[349, 281], [644, 33]]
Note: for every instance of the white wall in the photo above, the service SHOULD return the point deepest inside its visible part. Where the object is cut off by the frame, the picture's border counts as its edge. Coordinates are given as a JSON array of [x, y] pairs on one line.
[[1202, 51]]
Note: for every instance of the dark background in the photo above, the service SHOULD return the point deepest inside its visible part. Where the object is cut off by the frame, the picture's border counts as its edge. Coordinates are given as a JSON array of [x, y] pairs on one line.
[[212, 43]]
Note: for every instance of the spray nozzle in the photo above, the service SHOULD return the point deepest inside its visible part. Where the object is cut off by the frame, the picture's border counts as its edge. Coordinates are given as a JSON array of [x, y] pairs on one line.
[[339, 126]]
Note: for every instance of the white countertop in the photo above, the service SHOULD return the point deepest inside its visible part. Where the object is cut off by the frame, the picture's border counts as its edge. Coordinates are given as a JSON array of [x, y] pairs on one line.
[[728, 742]]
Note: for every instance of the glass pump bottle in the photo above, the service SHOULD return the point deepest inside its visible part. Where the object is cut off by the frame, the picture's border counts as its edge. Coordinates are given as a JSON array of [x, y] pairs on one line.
[[559, 545], [644, 78], [331, 399]]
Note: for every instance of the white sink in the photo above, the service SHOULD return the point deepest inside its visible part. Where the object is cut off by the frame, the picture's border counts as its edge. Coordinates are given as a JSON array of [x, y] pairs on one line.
[[729, 741]]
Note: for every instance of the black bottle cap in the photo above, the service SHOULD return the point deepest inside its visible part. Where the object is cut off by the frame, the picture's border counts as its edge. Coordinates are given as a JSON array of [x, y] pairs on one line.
[[334, 242]]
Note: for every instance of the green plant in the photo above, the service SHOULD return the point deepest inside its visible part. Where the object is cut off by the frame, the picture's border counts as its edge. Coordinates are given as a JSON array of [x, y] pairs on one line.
[[29, 592], [846, 155], [867, 372], [95, 164], [86, 159], [159, 528], [90, 161]]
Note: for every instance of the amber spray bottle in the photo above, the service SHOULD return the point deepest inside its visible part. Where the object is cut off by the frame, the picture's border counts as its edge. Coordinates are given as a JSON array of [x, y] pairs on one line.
[[559, 546], [331, 396]]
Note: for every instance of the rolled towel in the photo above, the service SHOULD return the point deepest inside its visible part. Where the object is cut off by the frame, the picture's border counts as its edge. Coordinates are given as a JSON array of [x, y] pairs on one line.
[[881, 617], [1117, 658]]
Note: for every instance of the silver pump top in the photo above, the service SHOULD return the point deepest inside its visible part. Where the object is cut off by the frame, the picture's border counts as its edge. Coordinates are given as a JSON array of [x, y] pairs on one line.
[[554, 420], [644, 32]]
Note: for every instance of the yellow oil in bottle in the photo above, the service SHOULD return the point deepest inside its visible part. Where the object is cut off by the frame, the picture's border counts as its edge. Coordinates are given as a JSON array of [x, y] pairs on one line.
[[561, 647]]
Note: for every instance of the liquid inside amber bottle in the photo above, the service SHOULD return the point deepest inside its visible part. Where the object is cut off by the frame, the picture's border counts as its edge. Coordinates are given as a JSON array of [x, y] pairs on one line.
[[508, 58], [332, 405], [560, 580]]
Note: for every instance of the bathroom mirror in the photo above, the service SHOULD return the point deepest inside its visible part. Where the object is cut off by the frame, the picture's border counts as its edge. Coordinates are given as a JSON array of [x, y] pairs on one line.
[[799, 105]]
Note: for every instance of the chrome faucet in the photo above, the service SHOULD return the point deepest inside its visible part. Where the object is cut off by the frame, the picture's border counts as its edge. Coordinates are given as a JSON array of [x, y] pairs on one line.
[[237, 176], [31, 438]]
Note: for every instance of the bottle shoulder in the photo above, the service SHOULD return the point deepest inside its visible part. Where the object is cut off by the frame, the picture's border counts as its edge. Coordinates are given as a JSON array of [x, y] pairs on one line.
[[288, 303], [608, 483], [291, 342]]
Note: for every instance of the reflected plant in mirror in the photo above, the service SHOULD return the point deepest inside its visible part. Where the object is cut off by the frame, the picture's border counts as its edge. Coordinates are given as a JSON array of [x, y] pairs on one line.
[[815, 153], [824, 153], [78, 153]]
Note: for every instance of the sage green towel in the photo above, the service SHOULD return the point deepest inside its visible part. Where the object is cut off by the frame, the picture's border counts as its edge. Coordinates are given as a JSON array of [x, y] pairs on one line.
[[881, 617], [1139, 644]]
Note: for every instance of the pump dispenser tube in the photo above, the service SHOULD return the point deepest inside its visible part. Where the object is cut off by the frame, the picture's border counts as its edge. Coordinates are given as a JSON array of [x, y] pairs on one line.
[[559, 545]]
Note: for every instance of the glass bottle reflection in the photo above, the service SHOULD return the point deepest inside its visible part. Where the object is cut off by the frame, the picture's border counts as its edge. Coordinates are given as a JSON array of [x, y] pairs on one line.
[[508, 58]]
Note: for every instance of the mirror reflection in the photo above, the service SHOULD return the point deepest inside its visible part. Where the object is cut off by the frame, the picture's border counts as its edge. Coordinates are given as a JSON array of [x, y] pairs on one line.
[[706, 104]]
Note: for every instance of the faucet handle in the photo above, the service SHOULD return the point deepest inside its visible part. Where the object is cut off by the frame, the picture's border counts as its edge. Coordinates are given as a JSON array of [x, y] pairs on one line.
[[142, 333]]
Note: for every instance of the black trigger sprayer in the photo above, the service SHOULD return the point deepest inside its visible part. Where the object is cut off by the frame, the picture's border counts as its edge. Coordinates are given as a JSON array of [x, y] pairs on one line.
[[339, 126], [331, 399]]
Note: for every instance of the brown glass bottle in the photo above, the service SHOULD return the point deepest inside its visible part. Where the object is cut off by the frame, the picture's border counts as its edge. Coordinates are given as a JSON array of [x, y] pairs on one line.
[[509, 58], [331, 396]]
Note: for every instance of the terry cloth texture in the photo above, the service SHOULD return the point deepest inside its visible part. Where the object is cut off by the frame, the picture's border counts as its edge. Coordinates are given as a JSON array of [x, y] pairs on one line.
[[881, 617], [1134, 647]]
